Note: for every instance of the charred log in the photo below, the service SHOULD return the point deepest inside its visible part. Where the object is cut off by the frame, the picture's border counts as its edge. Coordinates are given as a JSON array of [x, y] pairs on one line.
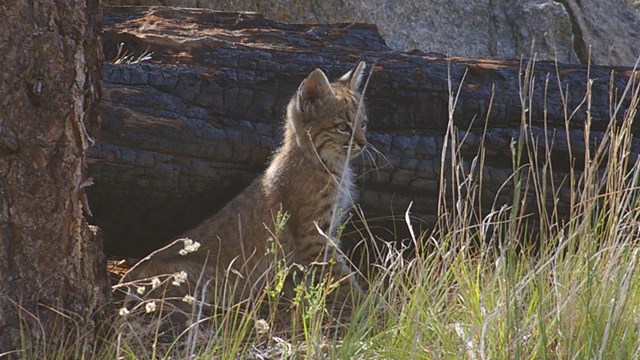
[[188, 128]]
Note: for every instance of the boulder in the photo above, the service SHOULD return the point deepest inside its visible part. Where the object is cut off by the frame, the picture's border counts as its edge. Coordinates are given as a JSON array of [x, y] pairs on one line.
[[552, 29]]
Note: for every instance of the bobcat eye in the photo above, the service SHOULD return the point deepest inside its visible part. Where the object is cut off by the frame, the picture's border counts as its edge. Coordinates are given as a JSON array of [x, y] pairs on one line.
[[342, 128]]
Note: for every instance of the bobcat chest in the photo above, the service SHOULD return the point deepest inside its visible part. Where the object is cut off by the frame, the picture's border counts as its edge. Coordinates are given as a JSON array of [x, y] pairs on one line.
[[333, 202]]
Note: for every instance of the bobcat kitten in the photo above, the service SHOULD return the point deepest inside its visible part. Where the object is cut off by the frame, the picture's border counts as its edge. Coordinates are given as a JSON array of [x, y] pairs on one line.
[[308, 179]]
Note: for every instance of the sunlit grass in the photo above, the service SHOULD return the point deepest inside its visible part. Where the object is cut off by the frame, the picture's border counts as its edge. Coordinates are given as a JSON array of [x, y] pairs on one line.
[[497, 284]]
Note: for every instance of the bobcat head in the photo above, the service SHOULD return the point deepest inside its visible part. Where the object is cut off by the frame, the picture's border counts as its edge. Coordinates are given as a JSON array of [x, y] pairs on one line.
[[328, 119]]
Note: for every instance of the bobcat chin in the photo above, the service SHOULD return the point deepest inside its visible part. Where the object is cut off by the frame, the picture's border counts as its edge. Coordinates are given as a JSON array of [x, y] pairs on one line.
[[309, 179]]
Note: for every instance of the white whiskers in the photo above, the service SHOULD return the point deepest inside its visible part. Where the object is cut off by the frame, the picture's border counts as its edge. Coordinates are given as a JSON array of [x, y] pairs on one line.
[[371, 155]]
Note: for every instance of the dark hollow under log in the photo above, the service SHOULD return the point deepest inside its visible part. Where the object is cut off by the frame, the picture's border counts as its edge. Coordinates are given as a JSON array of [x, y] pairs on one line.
[[187, 129]]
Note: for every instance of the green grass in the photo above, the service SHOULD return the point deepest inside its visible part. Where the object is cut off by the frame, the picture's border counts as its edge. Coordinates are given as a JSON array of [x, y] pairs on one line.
[[496, 284]]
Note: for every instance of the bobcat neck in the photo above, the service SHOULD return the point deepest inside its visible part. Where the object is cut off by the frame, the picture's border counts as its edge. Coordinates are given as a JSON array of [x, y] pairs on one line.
[[308, 187]]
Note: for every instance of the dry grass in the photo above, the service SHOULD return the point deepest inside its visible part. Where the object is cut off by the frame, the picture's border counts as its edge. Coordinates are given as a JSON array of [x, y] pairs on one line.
[[474, 287]]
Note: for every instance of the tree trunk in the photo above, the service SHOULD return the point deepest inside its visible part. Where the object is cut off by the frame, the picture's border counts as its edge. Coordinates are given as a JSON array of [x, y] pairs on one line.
[[52, 271], [186, 129]]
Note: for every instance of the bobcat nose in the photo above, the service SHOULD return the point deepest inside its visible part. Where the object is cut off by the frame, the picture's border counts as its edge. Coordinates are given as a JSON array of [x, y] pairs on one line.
[[360, 139]]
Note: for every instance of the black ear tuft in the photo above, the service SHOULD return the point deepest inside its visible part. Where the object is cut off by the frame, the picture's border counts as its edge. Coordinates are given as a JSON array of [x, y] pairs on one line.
[[354, 76]]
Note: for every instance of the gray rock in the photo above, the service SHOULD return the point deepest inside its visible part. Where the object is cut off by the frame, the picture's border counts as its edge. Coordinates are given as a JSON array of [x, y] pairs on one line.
[[609, 30], [552, 29]]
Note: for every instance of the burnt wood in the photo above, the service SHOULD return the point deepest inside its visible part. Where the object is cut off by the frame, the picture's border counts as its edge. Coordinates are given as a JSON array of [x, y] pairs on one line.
[[187, 129]]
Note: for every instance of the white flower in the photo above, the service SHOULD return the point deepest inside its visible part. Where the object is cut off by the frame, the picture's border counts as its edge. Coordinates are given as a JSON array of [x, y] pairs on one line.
[[140, 290], [189, 299], [261, 326], [189, 246], [155, 283], [193, 247], [179, 278], [150, 307], [123, 311]]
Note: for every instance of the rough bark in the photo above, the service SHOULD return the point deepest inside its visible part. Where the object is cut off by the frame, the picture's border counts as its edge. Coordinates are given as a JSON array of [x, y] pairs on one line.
[[52, 271], [184, 131]]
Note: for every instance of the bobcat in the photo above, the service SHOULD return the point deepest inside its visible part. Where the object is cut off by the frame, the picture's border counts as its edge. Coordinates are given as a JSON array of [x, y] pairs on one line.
[[309, 179]]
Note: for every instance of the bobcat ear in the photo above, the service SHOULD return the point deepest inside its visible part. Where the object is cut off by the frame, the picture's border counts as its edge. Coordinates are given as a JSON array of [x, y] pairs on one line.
[[354, 76], [313, 89]]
